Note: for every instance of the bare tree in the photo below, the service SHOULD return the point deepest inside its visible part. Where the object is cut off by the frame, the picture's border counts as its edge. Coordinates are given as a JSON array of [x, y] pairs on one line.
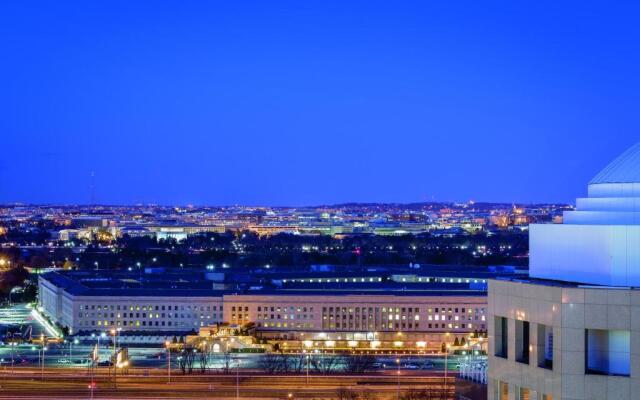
[[344, 393], [186, 359], [368, 394], [358, 364], [297, 363], [203, 357], [324, 364], [421, 394], [283, 362], [269, 363], [226, 362]]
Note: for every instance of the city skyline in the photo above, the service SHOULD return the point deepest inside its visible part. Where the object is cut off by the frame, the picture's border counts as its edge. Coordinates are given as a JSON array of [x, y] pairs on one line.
[[289, 104]]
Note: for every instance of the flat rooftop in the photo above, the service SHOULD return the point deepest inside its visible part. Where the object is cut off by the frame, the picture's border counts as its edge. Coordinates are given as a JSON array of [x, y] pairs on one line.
[[119, 283], [557, 283], [195, 283]]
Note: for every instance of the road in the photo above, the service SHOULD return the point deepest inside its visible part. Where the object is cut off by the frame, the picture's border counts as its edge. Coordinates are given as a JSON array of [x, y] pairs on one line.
[[20, 314], [67, 376], [66, 355], [67, 384]]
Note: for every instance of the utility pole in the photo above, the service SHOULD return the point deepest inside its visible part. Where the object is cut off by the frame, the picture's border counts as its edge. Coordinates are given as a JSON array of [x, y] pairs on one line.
[[308, 359], [42, 337], [168, 362], [446, 367], [113, 362], [237, 378], [398, 374]]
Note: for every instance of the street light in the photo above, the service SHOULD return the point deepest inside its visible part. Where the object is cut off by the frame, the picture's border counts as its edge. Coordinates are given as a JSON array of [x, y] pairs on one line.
[[13, 350], [114, 333], [42, 370], [167, 344], [398, 373], [237, 378], [446, 368], [71, 343], [308, 360]]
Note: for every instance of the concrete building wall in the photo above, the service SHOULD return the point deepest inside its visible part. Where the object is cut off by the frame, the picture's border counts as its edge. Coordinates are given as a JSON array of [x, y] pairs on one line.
[[96, 313], [405, 319], [594, 254], [570, 312], [50, 299]]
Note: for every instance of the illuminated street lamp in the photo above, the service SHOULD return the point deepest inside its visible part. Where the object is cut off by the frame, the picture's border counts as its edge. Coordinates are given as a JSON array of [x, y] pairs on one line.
[[167, 344], [446, 367], [114, 334], [398, 373], [71, 343], [237, 378], [308, 360], [13, 350], [42, 367]]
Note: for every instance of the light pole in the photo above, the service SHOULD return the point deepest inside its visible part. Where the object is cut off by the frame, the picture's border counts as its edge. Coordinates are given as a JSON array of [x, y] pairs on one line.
[[446, 368], [41, 356], [168, 361], [71, 343], [42, 366], [308, 359], [114, 334], [237, 378], [13, 350], [398, 373]]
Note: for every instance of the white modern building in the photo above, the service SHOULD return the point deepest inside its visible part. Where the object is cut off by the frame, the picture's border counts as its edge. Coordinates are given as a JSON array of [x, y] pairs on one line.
[[572, 330]]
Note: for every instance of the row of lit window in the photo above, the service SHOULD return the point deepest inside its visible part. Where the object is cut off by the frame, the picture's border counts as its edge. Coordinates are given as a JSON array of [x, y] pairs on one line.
[[147, 308], [378, 279], [287, 325], [150, 316], [285, 316]]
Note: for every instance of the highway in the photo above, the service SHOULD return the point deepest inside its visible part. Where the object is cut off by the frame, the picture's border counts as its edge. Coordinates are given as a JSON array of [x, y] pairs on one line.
[[59, 383], [66, 374]]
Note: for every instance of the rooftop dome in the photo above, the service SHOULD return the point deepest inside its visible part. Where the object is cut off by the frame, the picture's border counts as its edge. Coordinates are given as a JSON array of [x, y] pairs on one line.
[[624, 169]]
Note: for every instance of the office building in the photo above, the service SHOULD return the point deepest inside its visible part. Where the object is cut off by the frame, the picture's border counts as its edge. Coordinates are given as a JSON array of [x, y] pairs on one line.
[[572, 330]]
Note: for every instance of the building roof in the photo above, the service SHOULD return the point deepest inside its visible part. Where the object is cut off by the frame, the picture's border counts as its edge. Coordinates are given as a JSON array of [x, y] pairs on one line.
[[624, 169], [371, 291], [179, 283], [116, 283]]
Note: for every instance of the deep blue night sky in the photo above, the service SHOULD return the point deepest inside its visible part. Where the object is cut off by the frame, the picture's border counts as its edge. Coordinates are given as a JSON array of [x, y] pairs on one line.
[[302, 103]]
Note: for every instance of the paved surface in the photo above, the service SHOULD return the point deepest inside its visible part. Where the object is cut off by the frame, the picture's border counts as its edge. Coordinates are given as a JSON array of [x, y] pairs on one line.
[[64, 384]]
